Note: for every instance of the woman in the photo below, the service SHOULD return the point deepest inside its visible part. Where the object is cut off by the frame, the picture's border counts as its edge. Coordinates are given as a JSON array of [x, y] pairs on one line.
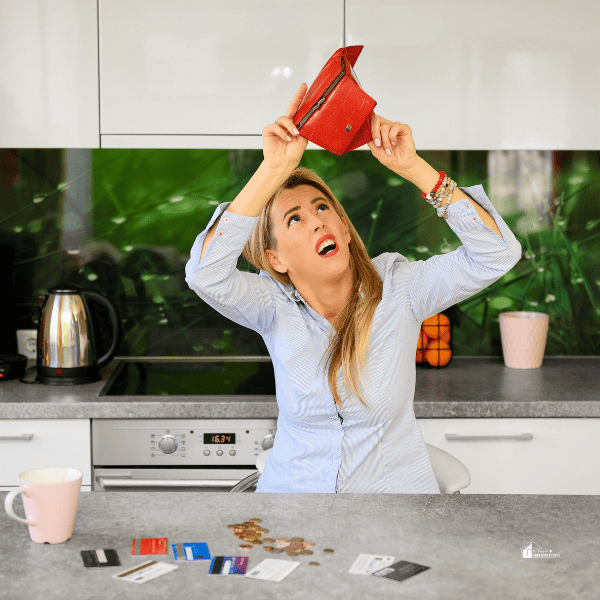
[[312, 302]]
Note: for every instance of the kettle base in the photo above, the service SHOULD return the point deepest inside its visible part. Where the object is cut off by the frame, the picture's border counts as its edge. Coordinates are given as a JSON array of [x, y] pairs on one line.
[[66, 375]]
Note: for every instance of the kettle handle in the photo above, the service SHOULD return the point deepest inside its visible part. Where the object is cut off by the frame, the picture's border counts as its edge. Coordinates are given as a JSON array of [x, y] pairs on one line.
[[114, 321]]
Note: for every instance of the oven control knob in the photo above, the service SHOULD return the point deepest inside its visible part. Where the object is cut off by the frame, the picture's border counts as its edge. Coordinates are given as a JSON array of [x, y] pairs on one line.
[[167, 444], [267, 441]]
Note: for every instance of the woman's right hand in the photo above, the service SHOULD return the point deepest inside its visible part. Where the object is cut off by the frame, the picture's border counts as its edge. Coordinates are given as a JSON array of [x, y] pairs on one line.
[[278, 151]]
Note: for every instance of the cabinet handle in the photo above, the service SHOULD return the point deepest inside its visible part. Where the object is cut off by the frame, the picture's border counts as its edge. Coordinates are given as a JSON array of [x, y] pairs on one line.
[[507, 436], [106, 482], [26, 437]]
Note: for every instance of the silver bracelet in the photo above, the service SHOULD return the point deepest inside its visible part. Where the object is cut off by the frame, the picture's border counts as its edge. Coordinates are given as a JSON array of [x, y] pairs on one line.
[[437, 199]]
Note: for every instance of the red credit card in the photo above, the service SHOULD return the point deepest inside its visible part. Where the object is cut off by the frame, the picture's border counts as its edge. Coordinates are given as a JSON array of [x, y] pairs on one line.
[[149, 546]]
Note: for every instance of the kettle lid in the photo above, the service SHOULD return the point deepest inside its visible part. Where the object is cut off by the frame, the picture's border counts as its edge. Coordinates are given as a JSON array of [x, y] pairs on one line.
[[65, 288]]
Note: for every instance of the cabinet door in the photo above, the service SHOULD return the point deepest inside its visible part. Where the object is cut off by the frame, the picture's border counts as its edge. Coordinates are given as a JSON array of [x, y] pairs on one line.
[[485, 75], [199, 67], [49, 74], [53, 443], [560, 458]]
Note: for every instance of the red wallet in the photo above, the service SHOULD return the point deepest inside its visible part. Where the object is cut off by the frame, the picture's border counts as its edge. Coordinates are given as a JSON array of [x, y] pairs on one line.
[[335, 114]]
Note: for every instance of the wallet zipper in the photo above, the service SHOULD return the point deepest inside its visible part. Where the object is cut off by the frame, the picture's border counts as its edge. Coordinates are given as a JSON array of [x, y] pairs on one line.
[[323, 97]]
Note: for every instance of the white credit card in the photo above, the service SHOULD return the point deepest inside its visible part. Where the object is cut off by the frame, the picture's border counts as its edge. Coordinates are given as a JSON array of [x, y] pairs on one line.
[[145, 572], [366, 564], [272, 569]]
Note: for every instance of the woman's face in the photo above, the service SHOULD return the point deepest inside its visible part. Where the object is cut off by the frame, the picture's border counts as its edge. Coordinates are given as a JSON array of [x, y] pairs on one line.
[[301, 217]]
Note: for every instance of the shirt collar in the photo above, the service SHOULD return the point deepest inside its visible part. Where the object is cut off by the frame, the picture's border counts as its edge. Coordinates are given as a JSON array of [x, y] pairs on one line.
[[289, 290]]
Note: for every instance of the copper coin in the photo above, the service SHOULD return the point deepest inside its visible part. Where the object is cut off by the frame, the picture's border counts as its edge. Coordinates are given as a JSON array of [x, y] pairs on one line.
[[313, 564], [328, 550], [255, 520], [245, 546], [281, 540], [263, 530], [256, 542], [247, 523], [269, 540], [306, 552], [297, 539], [306, 544], [268, 548]]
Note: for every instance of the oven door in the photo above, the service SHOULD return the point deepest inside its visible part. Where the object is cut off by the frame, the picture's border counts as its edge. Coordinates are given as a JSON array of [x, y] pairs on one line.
[[168, 480]]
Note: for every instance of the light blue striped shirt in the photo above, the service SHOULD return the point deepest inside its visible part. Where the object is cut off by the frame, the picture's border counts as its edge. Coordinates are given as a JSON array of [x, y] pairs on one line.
[[367, 450]]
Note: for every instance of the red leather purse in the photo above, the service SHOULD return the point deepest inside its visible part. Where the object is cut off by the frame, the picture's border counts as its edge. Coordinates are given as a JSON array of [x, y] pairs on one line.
[[335, 114]]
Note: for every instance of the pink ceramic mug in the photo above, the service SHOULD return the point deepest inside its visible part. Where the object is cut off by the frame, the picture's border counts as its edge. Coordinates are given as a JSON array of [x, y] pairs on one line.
[[50, 498]]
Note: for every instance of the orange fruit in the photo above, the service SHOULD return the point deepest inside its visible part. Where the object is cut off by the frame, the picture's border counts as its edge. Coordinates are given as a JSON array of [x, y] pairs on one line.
[[438, 353], [445, 337], [437, 326], [421, 345]]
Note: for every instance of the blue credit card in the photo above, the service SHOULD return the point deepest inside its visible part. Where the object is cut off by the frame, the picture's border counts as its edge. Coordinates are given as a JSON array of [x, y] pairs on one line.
[[196, 551], [228, 565]]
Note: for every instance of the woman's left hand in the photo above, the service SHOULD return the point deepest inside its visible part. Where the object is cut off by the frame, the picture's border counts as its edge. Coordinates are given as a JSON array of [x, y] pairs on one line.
[[395, 137]]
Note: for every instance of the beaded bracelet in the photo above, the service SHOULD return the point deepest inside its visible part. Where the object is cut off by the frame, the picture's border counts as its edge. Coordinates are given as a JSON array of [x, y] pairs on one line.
[[442, 190]]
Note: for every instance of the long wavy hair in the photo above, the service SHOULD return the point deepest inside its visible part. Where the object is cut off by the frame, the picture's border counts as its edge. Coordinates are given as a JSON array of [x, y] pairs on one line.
[[348, 347]]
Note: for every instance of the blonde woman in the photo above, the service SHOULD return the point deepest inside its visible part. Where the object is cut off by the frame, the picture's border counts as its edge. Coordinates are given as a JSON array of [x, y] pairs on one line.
[[341, 328]]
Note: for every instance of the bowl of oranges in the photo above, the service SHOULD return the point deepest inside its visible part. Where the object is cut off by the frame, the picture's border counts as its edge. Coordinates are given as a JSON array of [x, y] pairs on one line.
[[434, 346]]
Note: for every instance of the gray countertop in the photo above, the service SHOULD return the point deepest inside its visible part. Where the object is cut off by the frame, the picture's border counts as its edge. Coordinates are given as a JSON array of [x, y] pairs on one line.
[[472, 544], [468, 387]]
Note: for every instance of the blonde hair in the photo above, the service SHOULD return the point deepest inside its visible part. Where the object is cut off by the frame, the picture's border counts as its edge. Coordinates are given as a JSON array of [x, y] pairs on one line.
[[348, 348]]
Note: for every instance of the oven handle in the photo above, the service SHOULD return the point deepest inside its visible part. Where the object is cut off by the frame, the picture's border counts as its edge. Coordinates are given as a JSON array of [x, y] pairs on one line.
[[107, 482]]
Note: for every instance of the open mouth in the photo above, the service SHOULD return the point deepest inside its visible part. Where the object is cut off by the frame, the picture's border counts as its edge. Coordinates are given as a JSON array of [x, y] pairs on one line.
[[328, 248]]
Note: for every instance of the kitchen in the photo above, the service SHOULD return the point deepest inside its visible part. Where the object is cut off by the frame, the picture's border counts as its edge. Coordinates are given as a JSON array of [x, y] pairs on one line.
[[109, 172]]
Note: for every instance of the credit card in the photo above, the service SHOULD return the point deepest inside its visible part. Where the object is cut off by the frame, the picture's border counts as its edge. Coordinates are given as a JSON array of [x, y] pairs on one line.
[[228, 565], [366, 564], [400, 571], [100, 558], [149, 546], [273, 569], [196, 551], [145, 572]]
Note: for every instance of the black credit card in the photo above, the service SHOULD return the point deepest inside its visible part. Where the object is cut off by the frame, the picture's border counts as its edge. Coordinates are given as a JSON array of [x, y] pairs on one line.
[[100, 558], [400, 571]]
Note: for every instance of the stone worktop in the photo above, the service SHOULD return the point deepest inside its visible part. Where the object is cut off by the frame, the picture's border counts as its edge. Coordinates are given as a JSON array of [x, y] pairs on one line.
[[468, 387], [472, 544]]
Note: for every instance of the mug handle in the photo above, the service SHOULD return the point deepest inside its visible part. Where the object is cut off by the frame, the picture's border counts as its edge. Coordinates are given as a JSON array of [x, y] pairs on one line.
[[8, 505]]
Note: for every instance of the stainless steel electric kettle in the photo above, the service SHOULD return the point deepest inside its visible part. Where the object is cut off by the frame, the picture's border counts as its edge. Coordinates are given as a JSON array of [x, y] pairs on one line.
[[66, 350]]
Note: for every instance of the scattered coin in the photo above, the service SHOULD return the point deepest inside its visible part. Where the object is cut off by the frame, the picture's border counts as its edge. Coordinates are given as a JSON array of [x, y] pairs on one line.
[[306, 552], [245, 547], [313, 564], [255, 520], [327, 550]]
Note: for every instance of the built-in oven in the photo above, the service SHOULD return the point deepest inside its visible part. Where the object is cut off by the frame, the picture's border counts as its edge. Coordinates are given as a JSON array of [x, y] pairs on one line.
[[211, 455]]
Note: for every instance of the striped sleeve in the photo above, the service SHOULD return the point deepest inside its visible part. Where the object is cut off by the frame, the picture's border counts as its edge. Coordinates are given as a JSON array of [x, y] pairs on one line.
[[446, 279], [245, 298]]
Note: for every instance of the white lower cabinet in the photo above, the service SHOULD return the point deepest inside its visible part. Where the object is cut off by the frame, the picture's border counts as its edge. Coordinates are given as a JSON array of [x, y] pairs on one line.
[[44, 443], [560, 456]]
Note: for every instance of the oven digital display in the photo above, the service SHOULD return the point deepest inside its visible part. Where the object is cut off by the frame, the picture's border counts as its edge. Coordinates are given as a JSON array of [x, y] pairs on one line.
[[219, 438]]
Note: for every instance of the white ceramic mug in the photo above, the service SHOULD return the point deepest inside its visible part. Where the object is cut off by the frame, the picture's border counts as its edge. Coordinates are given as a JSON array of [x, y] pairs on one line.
[[50, 498]]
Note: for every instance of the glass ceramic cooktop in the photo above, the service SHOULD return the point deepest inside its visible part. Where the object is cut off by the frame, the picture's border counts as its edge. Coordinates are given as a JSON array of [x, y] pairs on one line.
[[206, 378]]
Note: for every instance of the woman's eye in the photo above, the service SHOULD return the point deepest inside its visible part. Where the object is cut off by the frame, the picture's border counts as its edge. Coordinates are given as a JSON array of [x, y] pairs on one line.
[[297, 217]]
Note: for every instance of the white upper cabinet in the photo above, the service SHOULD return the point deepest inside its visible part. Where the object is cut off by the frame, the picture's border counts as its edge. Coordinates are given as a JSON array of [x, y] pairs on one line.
[[194, 67], [49, 74], [483, 75]]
